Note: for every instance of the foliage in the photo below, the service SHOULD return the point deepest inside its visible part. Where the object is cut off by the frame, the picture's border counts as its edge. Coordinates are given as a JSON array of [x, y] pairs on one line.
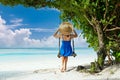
[[117, 56]]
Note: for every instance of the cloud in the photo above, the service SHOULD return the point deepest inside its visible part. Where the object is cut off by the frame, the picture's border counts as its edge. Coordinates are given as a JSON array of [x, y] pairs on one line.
[[53, 42], [20, 38], [50, 41], [49, 9], [16, 22], [80, 42], [2, 22], [42, 30], [54, 9], [10, 38]]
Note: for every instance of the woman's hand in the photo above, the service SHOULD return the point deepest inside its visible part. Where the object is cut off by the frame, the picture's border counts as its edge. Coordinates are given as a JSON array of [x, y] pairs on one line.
[[74, 34], [58, 29], [56, 33]]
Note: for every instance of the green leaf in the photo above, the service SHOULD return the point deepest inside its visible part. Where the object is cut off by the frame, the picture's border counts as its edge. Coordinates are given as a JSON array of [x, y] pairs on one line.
[[119, 35]]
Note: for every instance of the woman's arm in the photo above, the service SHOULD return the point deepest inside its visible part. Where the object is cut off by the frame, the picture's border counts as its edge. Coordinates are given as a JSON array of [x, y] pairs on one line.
[[56, 35], [74, 35]]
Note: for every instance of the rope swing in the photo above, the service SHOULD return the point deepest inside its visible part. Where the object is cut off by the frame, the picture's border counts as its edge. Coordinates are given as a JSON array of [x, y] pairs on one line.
[[64, 30]]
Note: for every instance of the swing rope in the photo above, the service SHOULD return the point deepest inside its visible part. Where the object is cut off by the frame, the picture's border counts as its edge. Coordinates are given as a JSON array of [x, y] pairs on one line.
[[73, 44], [59, 49], [59, 38], [73, 53]]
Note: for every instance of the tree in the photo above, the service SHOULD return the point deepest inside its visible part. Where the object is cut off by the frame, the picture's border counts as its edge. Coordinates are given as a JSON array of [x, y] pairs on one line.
[[99, 21]]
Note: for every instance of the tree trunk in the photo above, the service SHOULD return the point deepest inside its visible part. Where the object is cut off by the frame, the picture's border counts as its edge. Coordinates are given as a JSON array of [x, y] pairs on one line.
[[101, 54]]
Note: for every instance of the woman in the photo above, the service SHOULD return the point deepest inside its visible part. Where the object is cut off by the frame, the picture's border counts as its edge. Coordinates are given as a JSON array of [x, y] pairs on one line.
[[66, 33]]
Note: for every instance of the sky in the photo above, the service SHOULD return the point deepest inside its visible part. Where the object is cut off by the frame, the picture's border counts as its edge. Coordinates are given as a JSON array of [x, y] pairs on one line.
[[22, 27]]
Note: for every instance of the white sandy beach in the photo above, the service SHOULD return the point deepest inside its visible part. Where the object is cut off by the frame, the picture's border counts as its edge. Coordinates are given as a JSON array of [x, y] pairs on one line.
[[47, 67], [50, 70], [110, 73]]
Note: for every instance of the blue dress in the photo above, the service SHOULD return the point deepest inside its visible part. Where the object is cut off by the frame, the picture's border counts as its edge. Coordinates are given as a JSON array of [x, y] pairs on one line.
[[66, 49]]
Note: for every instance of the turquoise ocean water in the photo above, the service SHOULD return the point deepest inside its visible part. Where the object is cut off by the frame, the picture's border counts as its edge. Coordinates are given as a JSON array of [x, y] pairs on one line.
[[36, 53], [39, 58], [40, 51]]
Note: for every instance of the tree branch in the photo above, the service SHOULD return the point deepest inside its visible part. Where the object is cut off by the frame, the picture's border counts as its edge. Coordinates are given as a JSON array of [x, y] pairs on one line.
[[113, 39], [106, 9], [105, 27], [90, 23], [116, 28]]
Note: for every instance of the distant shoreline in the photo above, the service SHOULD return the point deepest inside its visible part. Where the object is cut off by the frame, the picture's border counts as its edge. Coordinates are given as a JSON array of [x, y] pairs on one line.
[[48, 48]]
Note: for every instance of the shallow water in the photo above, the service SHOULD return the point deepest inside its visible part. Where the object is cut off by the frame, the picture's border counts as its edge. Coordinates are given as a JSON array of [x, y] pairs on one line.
[[42, 58]]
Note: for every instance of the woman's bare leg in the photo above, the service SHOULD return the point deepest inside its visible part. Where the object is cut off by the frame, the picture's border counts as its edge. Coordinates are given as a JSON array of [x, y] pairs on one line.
[[65, 63]]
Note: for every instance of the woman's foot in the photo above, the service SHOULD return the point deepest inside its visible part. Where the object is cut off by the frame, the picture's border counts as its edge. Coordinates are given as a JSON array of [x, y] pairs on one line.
[[63, 70]]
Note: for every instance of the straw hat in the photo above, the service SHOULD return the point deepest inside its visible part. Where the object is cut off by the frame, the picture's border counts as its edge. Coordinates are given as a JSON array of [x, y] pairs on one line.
[[66, 28]]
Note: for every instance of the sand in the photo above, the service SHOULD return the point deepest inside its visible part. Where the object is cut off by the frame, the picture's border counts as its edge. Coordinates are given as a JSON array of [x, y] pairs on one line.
[[109, 73]]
